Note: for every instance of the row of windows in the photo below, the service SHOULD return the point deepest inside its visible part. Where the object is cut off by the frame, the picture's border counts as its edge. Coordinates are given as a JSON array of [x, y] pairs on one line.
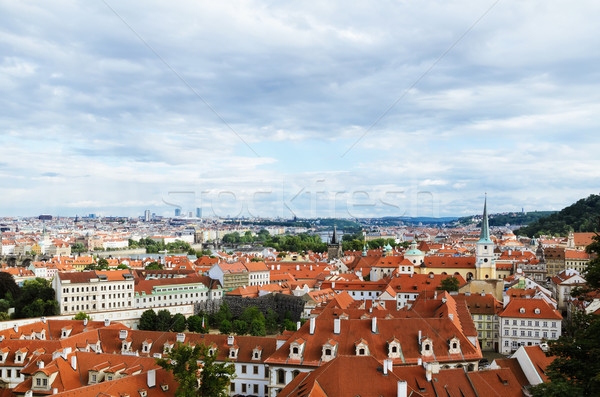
[[530, 323], [110, 305], [248, 388], [535, 334], [87, 297]]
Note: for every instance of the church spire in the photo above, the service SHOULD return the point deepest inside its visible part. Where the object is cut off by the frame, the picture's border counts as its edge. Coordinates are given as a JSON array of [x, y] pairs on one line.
[[333, 240], [485, 227]]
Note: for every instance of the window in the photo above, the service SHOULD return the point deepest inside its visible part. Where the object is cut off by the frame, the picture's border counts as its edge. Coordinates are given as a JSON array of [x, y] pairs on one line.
[[243, 388], [295, 350], [255, 389], [232, 386], [255, 369], [505, 332], [506, 321], [243, 369]]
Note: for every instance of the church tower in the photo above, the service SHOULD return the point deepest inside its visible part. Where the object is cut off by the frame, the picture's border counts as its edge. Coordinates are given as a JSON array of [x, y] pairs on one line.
[[485, 263], [334, 248]]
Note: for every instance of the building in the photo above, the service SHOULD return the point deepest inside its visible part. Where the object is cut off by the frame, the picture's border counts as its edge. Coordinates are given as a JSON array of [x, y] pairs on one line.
[[484, 309], [230, 275], [485, 259], [334, 247], [94, 291], [555, 260], [163, 292], [527, 322], [563, 283]]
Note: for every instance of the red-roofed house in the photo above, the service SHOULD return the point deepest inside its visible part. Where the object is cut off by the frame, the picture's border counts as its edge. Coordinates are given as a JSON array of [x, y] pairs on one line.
[[527, 322]]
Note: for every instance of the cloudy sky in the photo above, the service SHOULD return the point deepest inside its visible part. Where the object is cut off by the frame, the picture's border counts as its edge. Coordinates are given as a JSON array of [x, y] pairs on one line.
[[325, 108]]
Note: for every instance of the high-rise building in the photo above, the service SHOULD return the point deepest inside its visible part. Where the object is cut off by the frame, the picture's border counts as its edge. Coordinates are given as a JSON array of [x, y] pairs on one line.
[[198, 212], [147, 216], [177, 211]]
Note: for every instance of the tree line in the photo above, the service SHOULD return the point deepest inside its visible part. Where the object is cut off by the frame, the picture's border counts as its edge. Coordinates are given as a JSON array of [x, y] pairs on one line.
[[36, 298], [251, 322]]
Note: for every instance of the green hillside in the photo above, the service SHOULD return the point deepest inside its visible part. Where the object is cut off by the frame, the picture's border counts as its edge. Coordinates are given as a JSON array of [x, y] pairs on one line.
[[583, 216], [512, 218]]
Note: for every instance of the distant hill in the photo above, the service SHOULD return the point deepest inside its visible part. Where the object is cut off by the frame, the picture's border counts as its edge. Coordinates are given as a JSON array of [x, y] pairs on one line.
[[583, 216], [512, 218]]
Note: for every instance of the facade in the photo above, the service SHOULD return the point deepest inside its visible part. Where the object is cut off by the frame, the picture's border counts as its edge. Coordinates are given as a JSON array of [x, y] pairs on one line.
[[563, 283], [156, 293], [555, 261], [94, 291], [527, 322], [576, 260], [258, 273], [484, 309]]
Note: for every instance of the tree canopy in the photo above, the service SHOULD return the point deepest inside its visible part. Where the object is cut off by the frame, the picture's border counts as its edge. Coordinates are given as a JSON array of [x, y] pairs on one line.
[[197, 371]]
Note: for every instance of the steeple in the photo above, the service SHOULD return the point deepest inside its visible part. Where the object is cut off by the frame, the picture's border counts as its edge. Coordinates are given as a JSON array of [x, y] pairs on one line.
[[485, 228], [333, 240]]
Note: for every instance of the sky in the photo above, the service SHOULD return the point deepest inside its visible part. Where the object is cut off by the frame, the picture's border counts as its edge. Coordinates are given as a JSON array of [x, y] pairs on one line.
[[297, 108]]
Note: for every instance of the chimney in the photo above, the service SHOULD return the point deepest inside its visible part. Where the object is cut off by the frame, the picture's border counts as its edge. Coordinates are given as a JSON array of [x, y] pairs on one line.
[[337, 325], [402, 388], [297, 267], [428, 372], [419, 336], [385, 367], [85, 322], [278, 267], [374, 325], [16, 328], [298, 324], [74, 362], [419, 361], [55, 391], [312, 326], [106, 322], [40, 364], [151, 378], [230, 340], [180, 337], [435, 295], [451, 315], [311, 268], [43, 319]]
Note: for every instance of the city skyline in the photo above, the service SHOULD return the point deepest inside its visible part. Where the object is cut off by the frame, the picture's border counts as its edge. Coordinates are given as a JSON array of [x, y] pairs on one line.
[[308, 110]]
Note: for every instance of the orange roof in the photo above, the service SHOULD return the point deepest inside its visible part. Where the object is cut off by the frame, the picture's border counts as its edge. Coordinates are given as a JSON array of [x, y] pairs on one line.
[[526, 308]]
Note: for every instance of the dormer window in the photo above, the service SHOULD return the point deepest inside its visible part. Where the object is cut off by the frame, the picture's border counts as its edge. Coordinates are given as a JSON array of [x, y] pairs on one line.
[[256, 353], [167, 348], [126, 345], [454, 346], [394, 348], [426, 347], [362, 348], [146, 345], [536, 311], [522, 310], [296, 349], [233, 352]]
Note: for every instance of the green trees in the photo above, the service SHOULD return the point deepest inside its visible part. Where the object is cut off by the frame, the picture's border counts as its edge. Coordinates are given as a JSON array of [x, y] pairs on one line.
[[179, 323], [576, 369], [82, 316], [102, 264], [580, 217], [154, 266], [449, 284], [78, 248], [195, 324], [197, 371], [147, 320], [163, 320], [36, 299]]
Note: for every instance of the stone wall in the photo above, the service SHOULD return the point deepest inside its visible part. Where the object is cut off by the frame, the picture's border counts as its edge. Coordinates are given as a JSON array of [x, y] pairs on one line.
[[280, 303]]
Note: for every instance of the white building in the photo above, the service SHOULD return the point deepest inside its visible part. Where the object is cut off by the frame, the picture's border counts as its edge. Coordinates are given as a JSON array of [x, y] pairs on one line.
[[94, 291], [527, 322]]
